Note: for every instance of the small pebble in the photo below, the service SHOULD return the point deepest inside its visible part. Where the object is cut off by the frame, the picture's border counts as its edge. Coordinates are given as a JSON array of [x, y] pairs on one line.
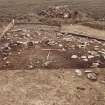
[[7, 62], [86, 60], [92, 76], [36, 42], [60, 45], [4, 58], [30, 67], [78, 72], [96, 49], [74, 56], [67, 39], [90, 56], [19, 53], [63, 49], [82, 46], [83, 57], [66, 15], [95, 65], [28, 35]]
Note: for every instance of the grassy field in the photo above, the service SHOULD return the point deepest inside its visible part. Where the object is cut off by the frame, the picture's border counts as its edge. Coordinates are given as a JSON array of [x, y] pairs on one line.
[[15, 7]]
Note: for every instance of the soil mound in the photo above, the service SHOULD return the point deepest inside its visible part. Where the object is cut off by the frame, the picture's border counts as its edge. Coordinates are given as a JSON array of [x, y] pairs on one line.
[[64, 12]]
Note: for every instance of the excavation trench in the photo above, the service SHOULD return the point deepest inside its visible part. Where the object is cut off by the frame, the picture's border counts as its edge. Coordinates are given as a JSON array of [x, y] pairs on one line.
[[32, 46]]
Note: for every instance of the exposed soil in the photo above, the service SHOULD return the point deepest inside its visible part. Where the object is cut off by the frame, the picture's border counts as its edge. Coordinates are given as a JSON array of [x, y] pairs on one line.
[[41, 65], [26, 47]]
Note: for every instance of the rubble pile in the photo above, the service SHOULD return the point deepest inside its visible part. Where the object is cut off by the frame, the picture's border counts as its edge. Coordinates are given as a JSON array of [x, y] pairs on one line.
[[63, 12], [83, 52]]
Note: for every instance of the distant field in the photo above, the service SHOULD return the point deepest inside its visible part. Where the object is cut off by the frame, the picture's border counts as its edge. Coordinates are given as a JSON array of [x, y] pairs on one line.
[[16, 7]]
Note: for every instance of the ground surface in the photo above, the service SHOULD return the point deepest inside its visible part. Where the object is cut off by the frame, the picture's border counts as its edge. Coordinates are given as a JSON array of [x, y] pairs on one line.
[[84, 30], [26, 48], [49, 87]]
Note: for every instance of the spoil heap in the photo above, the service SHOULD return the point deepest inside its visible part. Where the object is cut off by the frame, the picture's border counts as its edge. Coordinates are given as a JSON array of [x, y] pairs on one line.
[[63, 12]]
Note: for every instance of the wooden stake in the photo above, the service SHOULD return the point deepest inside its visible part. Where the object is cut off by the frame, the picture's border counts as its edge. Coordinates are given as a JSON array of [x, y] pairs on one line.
[[8, 27]]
